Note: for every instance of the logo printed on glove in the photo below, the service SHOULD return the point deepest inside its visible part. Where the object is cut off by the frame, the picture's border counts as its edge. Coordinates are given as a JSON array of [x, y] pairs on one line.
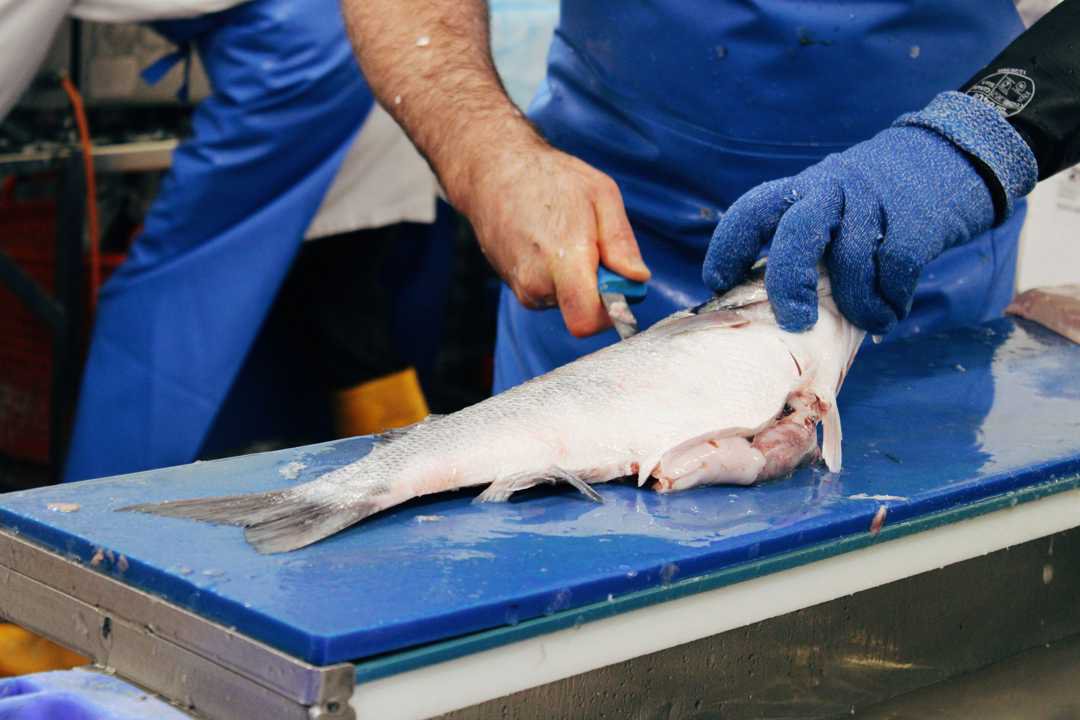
[[1009, 90]]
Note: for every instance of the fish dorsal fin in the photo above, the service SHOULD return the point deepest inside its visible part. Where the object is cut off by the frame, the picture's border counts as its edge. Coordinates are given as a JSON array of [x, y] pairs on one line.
[[752, 290], [686, 323]]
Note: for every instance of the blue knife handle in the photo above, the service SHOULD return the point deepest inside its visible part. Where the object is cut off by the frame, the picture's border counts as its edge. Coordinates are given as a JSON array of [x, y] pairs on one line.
[[608, 281]]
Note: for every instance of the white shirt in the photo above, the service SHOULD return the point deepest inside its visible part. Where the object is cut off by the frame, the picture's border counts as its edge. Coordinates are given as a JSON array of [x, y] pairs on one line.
[[382, 181], [27, 29]]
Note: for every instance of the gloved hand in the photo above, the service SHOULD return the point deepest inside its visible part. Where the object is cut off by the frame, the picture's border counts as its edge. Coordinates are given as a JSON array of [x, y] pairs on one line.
[[876, 213]]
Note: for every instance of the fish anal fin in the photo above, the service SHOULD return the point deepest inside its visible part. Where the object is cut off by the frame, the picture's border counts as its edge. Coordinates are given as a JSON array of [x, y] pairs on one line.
[[502, 489]]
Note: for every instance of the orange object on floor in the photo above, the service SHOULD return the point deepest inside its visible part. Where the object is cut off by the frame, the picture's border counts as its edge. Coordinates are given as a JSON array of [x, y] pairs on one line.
[[22, 652], [392, 401]]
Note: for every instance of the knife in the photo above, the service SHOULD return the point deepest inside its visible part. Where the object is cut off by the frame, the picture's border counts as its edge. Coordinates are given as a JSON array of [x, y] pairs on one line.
[[617, 293]]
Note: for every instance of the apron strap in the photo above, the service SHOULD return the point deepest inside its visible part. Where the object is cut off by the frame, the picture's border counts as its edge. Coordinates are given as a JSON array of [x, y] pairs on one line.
[[158, 69]]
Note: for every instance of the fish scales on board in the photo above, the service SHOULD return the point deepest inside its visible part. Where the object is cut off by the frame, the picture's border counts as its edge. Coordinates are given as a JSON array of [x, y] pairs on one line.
[[718, 394]]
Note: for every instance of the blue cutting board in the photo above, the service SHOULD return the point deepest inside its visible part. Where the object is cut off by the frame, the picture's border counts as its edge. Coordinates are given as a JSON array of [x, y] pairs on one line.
[[938, 422]]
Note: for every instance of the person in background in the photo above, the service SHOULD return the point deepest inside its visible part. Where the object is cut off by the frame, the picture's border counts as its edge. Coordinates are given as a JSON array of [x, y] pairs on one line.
[[287, 146], [655, 118]]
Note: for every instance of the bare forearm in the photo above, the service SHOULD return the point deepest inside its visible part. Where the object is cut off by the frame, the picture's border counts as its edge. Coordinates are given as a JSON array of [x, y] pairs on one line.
[[429, 63], [543, 218]]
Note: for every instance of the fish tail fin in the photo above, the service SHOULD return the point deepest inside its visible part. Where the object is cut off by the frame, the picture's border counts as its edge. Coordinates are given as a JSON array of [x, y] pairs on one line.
[[226, 510], [274, 522], [307, 522]]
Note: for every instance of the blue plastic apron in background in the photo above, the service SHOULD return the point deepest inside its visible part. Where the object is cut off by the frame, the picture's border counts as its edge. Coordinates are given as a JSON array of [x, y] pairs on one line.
[[688, 104], [177, 319]]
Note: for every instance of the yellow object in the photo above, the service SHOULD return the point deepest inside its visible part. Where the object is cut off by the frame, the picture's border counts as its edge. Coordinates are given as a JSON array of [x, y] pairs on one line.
[[391, 401], [22, 652]]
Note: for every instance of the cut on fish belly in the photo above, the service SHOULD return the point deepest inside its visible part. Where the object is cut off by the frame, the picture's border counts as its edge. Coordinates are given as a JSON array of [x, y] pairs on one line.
[[717, 394]]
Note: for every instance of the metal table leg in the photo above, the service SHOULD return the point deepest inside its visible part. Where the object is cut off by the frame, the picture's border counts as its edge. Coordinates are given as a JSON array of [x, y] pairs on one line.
[[70, 295]]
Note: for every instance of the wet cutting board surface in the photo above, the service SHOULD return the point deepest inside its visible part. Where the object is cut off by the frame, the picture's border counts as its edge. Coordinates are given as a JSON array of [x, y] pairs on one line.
[[929, 424]]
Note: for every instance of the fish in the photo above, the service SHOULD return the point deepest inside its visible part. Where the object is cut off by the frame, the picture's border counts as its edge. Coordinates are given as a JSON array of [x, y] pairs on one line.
[[715, 394], [1055, 308]]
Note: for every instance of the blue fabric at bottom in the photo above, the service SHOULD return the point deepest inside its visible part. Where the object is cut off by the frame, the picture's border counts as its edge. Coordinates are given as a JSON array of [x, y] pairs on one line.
[[79, 695]]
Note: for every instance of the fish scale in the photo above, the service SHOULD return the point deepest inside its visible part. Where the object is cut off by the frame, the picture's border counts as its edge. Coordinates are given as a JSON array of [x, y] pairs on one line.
[[681, 402]]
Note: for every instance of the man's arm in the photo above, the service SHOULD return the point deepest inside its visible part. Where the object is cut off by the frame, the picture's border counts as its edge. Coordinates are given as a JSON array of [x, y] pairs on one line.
[[1035, 84], [544, 219]]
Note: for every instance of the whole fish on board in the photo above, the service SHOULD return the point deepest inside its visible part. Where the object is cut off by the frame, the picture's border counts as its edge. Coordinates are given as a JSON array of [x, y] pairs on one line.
[[715, 394]]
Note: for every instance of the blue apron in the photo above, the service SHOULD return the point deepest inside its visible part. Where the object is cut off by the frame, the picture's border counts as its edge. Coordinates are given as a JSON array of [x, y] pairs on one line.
[[177, 319], [688, 104]]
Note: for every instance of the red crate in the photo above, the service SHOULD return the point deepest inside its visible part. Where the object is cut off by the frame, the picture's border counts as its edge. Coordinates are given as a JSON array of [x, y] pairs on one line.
[[28, 236]]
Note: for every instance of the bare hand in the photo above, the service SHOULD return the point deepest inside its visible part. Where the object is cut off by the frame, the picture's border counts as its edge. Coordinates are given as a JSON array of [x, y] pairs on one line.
[[545, 219]]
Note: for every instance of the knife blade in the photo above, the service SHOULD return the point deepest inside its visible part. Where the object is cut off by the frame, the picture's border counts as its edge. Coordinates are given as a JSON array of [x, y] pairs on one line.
[[617, 294]]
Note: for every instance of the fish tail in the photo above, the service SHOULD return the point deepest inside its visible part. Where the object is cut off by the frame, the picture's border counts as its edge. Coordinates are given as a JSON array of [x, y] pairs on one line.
[[274, 522], [308, 522]]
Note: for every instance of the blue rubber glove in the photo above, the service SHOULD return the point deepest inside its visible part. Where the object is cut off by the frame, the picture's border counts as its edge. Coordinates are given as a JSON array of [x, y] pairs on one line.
[[876, 213]]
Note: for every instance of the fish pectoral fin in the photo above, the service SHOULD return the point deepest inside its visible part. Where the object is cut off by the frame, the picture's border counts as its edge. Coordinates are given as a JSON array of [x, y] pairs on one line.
[[502, 489], [831, 433], [713, 458]]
